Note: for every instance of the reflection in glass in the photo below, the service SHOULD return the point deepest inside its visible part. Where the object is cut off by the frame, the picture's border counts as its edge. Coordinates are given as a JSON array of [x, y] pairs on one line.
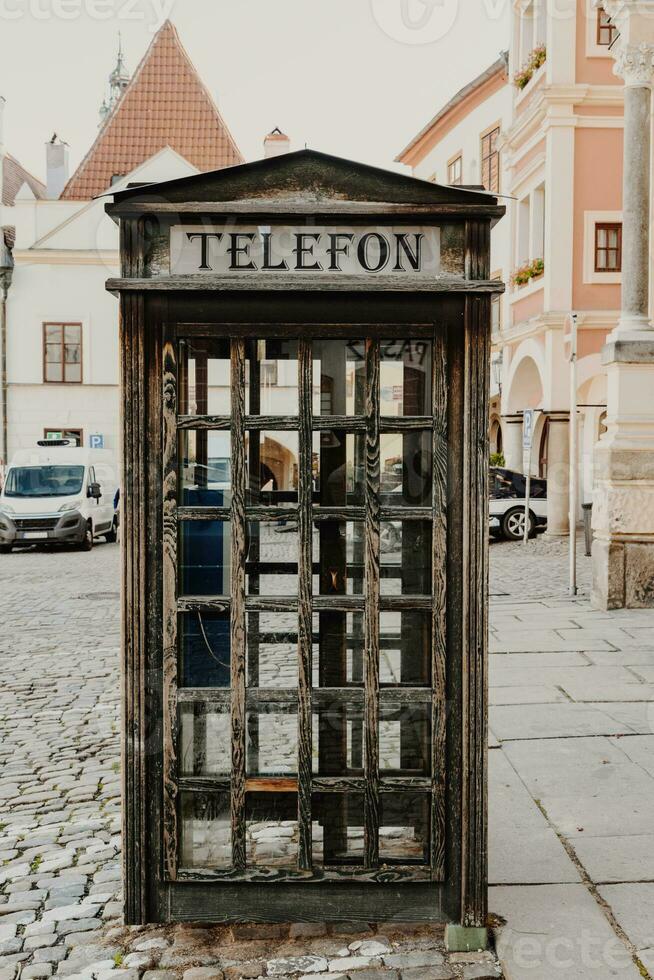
[[271, 643], [338, 649], [404, 739], [272, 557], [271, 741], [406, 468], [204, 468], [452, 249], [405, 647], [271, 377], [405, 377], [339, 371], [271, 830], [205, 830], [404, 828], [204, 739], [272, 467], [204, 377], [338, 558], [405, 558], [338, 740], [337, 828], [338, 467], [204, 557], [204, 645]]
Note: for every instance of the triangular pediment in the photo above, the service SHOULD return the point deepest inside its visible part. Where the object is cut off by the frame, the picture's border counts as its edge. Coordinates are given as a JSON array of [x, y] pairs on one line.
[[165, 104], [304, 178]]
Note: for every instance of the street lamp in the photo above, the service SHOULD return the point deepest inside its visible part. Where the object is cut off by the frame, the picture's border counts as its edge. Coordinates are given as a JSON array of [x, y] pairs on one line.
[[496, 363]]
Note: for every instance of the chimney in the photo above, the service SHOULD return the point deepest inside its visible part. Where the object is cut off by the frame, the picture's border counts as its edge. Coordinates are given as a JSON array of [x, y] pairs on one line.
[[56, 158], [276, 143]]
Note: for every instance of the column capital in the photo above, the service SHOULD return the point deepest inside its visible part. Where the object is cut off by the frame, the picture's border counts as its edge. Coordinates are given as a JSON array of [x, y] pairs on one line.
[[635, 63]]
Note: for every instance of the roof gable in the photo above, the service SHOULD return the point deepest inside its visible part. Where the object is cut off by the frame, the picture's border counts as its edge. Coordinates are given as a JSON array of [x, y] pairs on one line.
[[304, 177], [165, 104], [14, 176]]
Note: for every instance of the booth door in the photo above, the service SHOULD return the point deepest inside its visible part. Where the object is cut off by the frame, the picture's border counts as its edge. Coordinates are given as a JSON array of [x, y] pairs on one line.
[[304, 605]]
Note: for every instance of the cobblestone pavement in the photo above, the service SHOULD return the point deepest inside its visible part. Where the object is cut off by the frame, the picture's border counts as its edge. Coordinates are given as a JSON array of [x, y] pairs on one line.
[[59, 787]]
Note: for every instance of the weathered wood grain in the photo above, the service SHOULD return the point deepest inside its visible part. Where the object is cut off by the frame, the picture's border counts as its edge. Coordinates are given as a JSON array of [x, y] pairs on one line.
[[439, 611], [237, 611], [305, 612], [302, 282], [169, 581], [371, 615]]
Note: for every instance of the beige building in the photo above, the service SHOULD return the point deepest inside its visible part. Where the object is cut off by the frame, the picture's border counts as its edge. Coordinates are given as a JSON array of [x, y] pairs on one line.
[[548, 131]]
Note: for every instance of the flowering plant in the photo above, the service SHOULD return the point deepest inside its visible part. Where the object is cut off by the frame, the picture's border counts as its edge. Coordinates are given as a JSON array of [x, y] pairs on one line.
[[534, 61], [530, 270]]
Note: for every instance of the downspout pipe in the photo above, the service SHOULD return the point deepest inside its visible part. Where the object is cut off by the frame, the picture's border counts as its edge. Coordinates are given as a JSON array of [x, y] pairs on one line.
[[6, 275]]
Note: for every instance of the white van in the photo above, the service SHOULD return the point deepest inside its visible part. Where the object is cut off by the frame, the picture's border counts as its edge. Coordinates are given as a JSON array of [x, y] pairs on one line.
[[59, 493]]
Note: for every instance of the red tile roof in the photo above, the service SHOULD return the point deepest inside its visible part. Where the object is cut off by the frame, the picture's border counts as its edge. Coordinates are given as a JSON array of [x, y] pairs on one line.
[[14, 176], [165, 104]]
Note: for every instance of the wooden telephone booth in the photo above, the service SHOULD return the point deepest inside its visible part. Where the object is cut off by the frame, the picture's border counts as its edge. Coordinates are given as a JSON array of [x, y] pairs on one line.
[[305, 359]]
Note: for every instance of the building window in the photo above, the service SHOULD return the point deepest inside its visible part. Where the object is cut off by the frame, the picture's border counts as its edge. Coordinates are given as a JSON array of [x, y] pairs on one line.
[[455, 171], [76, 435], [606, 29], [62, 352], [608, 247], [490, 161]]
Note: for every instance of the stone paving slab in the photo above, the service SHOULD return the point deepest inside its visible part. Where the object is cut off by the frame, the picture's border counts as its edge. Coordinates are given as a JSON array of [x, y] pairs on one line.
[[640, 749], [633, 907], [558, 931], [549, 721], [526, 694], [617, 859], [523, 848]]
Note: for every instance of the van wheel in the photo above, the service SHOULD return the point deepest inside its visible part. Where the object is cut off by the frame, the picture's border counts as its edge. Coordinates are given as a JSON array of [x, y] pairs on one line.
[[513, 524], [111, 536], [87, 541]]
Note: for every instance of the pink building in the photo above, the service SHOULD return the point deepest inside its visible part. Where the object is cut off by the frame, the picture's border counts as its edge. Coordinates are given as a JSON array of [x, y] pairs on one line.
[[546, 128]]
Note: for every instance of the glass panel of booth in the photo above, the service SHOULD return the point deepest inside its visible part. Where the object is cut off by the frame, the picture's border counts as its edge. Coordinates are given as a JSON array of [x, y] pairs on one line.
[[272, 434]]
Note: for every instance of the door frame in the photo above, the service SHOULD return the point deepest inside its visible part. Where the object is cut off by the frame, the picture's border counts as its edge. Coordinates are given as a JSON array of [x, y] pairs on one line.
[[462, 896]]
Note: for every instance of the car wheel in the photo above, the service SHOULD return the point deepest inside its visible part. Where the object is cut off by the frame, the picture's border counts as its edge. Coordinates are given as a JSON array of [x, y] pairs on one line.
[[513, 524], [5, 549], [87, 540], [111, 536]]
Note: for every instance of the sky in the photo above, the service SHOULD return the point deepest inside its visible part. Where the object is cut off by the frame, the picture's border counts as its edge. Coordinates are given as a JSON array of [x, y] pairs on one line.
[[357, 78]]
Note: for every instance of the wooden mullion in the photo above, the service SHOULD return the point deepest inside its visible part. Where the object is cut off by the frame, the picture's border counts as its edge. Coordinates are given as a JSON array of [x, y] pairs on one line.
[[169, 589], [406, 423], [237, 604], [204, 422], [305, 624], [344, 423], [371, 614], [203, 513], [439, 610]]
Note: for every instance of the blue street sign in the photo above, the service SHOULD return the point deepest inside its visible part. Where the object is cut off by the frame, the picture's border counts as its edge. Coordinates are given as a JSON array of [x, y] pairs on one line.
[[96, 441]]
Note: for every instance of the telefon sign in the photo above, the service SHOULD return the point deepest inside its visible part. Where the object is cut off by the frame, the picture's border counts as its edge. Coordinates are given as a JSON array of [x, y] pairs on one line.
[[283, 249]]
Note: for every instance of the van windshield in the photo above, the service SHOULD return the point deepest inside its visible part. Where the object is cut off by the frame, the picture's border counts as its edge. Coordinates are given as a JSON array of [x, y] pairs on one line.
[[44, 481]]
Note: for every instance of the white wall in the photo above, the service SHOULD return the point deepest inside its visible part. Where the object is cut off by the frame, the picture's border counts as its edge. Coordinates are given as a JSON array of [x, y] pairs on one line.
[[64, 253]]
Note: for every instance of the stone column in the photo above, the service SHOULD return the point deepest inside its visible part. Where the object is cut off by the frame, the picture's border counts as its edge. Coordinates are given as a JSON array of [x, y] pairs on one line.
[[623, 503], [512, 441], [558, 474]]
